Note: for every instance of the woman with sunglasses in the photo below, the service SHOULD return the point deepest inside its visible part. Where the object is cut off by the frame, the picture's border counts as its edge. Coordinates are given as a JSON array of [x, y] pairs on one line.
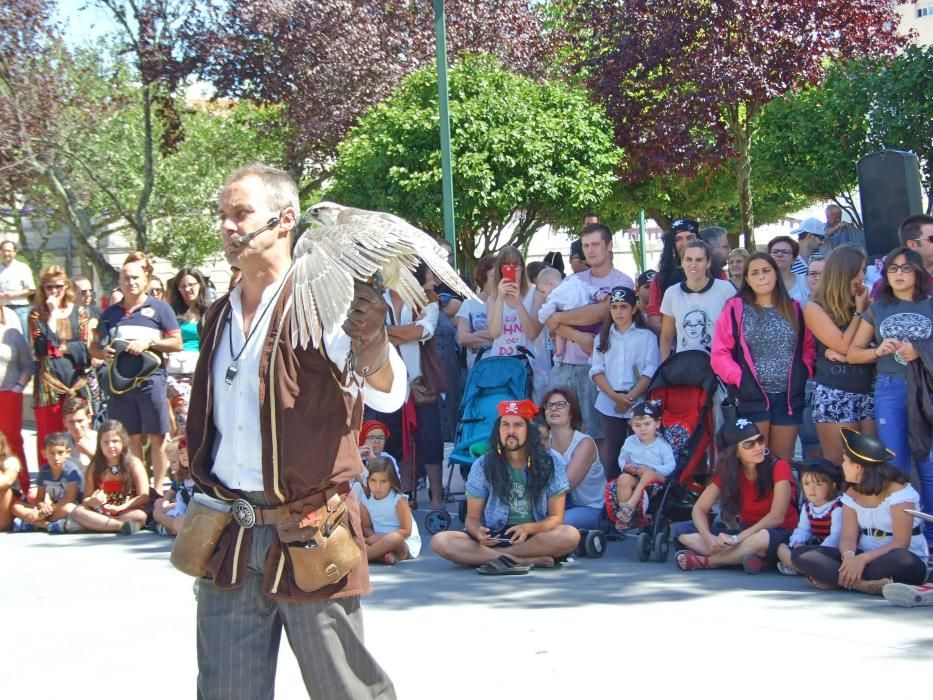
[[764, 354], [899, 320], [755, 492], [59, 330], [842, 396]]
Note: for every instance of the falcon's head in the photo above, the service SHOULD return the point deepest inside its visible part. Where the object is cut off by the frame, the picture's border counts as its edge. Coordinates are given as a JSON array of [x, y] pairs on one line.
[[323, 213]]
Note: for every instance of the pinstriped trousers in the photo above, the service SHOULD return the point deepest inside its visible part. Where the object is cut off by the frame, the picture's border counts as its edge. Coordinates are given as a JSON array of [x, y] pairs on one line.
[[239, 633]]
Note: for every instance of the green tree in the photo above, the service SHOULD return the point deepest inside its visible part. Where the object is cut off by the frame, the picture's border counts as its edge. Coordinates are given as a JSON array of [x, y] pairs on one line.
[[525, 154]]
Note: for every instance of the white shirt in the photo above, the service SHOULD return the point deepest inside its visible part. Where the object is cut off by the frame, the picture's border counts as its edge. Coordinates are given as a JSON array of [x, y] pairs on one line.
[[695, 313], [800, 292], [411, 351], [16, 277], [237, 452], [474, 312], [636, 348]]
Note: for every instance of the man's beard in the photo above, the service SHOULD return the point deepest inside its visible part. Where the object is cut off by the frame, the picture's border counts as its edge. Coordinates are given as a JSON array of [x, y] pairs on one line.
[[518, 446]]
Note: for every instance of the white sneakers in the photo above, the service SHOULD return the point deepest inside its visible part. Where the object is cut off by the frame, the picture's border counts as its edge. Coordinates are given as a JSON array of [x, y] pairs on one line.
[[907, 596]]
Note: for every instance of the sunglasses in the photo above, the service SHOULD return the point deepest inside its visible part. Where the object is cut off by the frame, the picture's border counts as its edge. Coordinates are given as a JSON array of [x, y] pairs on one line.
[[52, 287], [752, 442], [928, 239], [905, 268]]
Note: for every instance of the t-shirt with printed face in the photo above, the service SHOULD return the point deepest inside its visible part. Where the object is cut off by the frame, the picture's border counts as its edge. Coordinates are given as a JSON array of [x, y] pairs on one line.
[[903, 320], [56, 486], [695, 313]]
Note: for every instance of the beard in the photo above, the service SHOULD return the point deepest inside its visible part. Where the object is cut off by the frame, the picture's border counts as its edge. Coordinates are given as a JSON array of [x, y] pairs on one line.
[[513, 445]]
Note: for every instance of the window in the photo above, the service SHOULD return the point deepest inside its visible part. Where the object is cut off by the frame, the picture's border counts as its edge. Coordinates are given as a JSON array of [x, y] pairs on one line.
[[925, 11]]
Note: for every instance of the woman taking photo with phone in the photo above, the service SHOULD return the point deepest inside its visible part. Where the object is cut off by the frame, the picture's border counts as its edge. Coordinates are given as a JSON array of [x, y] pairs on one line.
[[513, 320], [842, 395]]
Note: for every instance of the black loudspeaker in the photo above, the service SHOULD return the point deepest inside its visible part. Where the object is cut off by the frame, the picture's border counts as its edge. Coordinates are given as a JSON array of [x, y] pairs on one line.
[[889, 188]]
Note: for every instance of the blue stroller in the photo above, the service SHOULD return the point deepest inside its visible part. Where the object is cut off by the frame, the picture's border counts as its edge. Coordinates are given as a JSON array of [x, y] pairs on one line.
[[492, 379]]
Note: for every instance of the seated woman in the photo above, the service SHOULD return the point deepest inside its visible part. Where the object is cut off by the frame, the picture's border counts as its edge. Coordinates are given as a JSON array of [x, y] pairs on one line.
[[578, 450], [117, 486], [753, 487], [880, 542], [516, 495]]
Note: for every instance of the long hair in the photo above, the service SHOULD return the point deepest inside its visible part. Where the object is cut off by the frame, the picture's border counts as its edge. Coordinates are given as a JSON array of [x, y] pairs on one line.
[[834, 292], [178, 304], [53, 273], [729, 470], [921, 276], [780, 299], [638, 320], [99, 462], [875, 477], [510, 255], [576, 415], [669, 268], [376, 465], [496, 464], [483, 269]]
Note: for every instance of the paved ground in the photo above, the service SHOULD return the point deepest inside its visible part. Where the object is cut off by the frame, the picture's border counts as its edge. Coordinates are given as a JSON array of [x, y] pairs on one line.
[[109, 612]]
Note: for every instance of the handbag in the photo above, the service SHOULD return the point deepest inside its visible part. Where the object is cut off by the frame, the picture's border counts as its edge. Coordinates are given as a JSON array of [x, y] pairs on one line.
[[320, 544], [422, 393]]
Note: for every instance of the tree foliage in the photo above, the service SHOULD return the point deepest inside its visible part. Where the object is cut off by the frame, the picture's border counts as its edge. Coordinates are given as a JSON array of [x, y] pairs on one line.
[[684, 80], [328, 61], [525, 153], [810, 141]]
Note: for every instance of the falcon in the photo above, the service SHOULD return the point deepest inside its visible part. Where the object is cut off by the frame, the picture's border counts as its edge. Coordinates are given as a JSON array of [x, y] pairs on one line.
[[342, 244]]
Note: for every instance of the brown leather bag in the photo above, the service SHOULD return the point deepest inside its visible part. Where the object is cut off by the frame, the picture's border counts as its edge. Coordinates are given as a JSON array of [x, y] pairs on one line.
[[320, 544]]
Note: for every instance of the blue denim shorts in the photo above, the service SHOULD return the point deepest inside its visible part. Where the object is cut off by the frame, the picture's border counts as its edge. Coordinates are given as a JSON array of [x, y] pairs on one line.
[[778, 413]]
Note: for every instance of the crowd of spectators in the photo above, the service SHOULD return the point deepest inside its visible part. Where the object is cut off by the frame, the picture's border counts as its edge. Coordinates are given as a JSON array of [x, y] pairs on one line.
[[806, 349]]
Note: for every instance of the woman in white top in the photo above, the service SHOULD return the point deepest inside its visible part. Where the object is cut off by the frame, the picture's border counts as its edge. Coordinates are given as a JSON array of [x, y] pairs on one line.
[[472, 316], [880, 543], [513, 318], [584, 470]]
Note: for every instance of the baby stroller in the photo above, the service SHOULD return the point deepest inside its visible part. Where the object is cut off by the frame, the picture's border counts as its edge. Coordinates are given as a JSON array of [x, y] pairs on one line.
[[492, 379], [687, 387]]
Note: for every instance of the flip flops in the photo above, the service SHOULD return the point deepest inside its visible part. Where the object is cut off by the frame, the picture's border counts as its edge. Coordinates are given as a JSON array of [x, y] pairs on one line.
[[503, 566]]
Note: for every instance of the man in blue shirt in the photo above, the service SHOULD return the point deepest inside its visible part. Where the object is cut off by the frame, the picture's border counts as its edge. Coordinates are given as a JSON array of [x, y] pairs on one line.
[[515, 502]]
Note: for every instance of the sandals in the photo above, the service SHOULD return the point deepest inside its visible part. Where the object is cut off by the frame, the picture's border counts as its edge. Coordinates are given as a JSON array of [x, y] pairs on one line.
[[503, 566], [624, 516], [691, 561]]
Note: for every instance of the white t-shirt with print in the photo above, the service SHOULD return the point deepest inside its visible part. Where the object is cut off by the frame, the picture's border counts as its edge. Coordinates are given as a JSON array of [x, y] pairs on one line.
[[695, 313]]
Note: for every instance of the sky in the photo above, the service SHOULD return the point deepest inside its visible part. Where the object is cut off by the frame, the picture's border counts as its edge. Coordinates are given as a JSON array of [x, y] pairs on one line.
[[83, 21]]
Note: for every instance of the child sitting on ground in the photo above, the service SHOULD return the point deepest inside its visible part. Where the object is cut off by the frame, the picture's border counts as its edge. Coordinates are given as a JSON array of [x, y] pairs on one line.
[[60, 485], [821, 516], [645, 458], [169, 512], [388, 527]]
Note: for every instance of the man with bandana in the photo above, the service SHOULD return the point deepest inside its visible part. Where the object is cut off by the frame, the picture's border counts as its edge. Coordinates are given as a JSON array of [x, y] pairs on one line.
[[515, 502]]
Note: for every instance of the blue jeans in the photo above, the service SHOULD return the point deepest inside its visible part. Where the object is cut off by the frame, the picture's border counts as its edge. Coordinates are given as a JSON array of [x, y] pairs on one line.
[[582, 517], [891, 418]]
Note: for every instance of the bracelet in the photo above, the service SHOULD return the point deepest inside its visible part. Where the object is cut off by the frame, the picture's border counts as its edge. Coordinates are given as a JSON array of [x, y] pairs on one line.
[[848, 551], [858, 314]]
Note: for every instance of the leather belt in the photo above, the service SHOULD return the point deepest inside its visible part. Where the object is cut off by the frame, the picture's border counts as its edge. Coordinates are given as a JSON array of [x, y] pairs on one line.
[[249, 515]]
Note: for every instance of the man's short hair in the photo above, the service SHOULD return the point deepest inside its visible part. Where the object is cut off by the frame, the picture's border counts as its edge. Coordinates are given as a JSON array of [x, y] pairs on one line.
[[80, 278], [601, 229], [12, 243], [711, 234], [911, 227], [55, 440], [282, 192]]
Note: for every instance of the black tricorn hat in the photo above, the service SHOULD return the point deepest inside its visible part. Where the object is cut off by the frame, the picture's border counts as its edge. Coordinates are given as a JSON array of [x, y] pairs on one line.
[[865, 449], [819, 466], [126, 370]]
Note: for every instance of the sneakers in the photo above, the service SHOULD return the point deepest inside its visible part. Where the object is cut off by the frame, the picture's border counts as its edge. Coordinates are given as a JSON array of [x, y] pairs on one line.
[[753, 564], [786, 570], [907, 596], [160, 529], [20, 525], [129, 528]]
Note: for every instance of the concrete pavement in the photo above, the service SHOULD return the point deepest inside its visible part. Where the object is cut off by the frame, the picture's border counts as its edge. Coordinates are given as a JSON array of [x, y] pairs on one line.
[[87, 614]]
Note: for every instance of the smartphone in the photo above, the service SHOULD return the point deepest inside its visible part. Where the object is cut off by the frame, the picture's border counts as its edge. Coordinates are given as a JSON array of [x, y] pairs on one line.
[[501, 540], [510, 273]]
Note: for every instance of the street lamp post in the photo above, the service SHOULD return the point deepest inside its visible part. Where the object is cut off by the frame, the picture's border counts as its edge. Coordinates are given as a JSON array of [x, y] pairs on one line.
[[447, 180]]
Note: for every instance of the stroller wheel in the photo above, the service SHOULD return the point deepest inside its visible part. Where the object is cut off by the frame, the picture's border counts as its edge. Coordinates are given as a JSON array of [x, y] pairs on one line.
[[643, 546], [661, 547], [595, 544], [437, 521], [461, 510]]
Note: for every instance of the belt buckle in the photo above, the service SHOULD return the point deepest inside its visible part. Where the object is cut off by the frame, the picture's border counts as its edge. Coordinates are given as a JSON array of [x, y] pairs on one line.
[[243, 513]]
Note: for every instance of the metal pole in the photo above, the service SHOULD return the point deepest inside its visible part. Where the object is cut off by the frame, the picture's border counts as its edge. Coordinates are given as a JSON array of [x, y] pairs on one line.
[[641, 240], [447, 180]]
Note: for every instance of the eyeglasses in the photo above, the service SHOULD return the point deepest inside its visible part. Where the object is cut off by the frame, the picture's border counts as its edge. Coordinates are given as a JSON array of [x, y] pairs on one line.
[[905, 268], [557, 405], [375, 438], [86, 291], [752, 442], [781, 252], [52, 287], [814, 274]]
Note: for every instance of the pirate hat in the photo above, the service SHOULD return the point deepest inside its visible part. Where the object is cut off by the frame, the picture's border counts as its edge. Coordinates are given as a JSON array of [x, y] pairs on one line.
[[127, 371], [865, 449]]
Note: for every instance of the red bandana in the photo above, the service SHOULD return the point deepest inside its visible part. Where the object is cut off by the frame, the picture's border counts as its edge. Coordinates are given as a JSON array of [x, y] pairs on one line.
[[524, 408]]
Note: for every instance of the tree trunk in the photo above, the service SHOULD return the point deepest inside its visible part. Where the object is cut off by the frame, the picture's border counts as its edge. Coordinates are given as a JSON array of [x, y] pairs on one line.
[[141, 223], [739, 119]]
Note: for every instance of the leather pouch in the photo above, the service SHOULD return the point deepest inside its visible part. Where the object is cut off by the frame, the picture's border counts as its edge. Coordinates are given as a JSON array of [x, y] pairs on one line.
[[320, 545], [205, 521]]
